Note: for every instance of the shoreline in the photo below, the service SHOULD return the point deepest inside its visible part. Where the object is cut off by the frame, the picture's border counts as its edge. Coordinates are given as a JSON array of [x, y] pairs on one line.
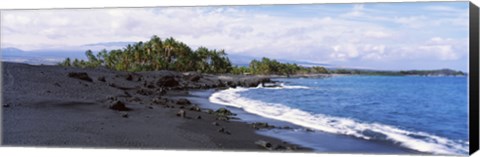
[[317, 141]]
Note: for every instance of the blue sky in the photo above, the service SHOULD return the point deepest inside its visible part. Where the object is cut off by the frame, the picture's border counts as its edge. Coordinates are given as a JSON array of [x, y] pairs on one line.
[[388, 36]]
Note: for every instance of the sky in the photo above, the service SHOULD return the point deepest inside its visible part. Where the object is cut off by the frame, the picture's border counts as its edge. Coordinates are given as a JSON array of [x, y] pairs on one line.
[[385, 36]]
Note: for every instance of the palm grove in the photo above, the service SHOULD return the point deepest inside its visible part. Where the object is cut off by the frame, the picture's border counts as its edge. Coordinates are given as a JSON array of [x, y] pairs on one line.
[[170, 54]]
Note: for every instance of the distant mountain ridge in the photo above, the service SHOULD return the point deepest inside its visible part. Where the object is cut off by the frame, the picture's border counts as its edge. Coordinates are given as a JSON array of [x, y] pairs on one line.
[[241, 60], [54, 56], [436, 72], [109, 44], [11, 50], [36, 57], [12, 53]]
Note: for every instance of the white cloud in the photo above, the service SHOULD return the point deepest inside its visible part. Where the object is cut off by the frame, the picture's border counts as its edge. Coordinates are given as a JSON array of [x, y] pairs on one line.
[[344, 52], [376, 34], [412, 21], [357, 34], [443, 52], [358, 10], [442, 8]]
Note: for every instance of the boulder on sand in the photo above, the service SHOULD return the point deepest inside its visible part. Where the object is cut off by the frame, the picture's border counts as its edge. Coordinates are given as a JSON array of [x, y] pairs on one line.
[[144, 91], [129, 77], [195, 108], [159, 101], [119, 106], [80, 75], [209, 111], [101, 78], [167, 81], [183, 101], [194, 77], [280, 147], [254, 82], [223, 118], [261, 125], [224, 112]]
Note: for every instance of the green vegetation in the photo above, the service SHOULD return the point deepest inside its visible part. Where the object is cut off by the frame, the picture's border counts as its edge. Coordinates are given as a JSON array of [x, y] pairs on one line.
[[169, 54], [447, 72], [441, 72], [365, 72], [156, 54], [267, 66]]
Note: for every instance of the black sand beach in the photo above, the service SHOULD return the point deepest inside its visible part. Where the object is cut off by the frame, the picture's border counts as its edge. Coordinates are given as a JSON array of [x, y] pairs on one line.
[[54, 106]]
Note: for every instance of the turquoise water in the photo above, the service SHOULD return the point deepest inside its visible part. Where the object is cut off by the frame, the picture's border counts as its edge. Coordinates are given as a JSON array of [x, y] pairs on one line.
[[427, 114]]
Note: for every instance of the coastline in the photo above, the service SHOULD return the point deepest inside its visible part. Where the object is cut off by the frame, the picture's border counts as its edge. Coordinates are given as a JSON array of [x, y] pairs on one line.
[[317, 141], [287, 103], [51, 103]]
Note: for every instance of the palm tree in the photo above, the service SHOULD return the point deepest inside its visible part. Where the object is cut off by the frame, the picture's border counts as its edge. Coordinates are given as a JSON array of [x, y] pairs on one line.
[[203, 59], [156, 54], [169, 46], [66, 63]]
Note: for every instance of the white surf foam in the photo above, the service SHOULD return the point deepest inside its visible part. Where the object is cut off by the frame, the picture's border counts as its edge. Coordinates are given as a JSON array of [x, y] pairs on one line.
[[283, 86], [419, 141]]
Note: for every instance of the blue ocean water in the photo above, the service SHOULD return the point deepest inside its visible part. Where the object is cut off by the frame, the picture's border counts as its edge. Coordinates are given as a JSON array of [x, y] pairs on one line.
[[427, 114]]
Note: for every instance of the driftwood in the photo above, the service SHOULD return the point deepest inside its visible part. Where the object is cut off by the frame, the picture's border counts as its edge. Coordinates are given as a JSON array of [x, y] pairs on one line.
[[264, 144], [122, 88], [181, 113], [223, 130]]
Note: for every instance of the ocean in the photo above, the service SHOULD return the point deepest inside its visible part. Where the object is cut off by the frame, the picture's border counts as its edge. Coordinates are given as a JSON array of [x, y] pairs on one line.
[[425, 114]]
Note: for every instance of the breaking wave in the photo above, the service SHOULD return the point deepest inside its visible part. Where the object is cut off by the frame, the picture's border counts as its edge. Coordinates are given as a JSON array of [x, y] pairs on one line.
[[419, 141], [283, 86]]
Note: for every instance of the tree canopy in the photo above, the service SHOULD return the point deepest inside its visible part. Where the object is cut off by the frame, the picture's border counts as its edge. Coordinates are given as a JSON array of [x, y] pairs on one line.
[[268, 66], [157, 54]]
